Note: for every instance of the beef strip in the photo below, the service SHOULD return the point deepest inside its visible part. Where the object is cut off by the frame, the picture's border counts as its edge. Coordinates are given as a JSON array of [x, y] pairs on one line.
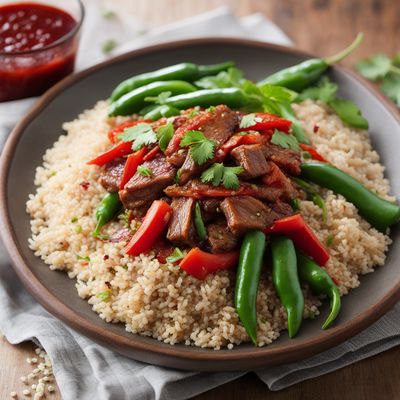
[[244, 213], [281, 210], [220, 238], [210, 209], [277, 179], [140, 190], [286, 159], [112, 174], [219, 127], [251, 158], [181, 229], [200, 190]]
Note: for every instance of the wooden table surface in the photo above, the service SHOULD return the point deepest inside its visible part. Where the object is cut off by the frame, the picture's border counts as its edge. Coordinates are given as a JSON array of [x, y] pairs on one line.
[[322, 27]]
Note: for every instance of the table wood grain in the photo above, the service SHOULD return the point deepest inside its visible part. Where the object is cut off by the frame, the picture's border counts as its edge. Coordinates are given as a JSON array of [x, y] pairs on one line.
[[322, 27]]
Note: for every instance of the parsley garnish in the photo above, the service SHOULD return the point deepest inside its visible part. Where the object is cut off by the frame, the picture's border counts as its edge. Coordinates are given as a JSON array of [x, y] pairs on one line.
[[218, 174], [346, 110], [85, 258], [107, 14], [141, 135], [144, 171], [125, 218], [319, 202], [104, 296], [175, 256], [164, 135], [233, 77], [285, 140], [200, 148], [74, 220], [329, 240]]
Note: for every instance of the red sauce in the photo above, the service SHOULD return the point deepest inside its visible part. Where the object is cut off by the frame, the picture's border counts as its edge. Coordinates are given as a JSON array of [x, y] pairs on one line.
[[26, 27]]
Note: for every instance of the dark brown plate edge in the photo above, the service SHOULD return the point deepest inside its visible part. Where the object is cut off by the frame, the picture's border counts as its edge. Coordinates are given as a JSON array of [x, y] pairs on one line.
[[176, 356]]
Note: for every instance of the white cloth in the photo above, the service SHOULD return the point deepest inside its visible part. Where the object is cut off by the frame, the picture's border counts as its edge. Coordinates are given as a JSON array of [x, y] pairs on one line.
[[85, 370]]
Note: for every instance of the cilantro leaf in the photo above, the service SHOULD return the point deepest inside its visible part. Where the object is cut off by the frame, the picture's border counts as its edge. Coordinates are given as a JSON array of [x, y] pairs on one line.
[[349, 113], [230, 178], [285, 140], [175, 256], [233, 77], [324, 91], [159, 99], [278, 93], [374, 67], [164, 135], [143, 171], [200, 148], [141, 135], [218, 174], [248, 120], [84, 258], [108, 46], [391, 86]]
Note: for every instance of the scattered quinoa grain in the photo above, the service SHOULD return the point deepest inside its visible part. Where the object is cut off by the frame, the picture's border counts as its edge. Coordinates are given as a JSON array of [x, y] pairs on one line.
[[13, 395], [26, 392]]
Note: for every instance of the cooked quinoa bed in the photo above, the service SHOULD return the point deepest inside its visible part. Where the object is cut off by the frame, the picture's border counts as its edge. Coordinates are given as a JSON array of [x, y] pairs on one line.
[[162, 301]]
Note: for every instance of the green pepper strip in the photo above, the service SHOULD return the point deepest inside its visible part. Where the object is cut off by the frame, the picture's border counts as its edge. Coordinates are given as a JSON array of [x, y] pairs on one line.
[[286, 281], [183, 71], [133, 101], [106, 211], [307, 72], [199, 223], [232, 97], [287, 112], [378, 212], [247, 280], [320, 283]]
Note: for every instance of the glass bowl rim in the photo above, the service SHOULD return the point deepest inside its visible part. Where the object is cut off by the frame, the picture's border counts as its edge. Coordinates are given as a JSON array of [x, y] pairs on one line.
[[58, 42]]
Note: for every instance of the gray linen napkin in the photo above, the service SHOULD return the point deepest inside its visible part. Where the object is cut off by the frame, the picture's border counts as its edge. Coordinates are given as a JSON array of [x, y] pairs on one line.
[[85, 370]]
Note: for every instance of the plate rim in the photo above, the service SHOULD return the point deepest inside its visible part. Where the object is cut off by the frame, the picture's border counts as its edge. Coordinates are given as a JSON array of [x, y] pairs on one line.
[[175, 355]]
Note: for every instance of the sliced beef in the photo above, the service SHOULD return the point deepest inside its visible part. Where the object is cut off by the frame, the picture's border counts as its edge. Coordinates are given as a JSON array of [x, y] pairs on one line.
[[244, 213], [200, 190], [210, 209], [112, 174], [181, 229], [219, 127], [281, 210], [140, 190], [286, 159], [277, 179], [220, 238], [251, 158]]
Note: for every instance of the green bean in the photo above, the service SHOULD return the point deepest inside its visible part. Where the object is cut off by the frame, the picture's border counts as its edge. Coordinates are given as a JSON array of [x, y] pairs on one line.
[[286, 281], [247, 280]]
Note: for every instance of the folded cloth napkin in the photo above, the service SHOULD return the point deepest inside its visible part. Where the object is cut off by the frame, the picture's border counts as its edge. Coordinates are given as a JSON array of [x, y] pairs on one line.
[[85, 370]]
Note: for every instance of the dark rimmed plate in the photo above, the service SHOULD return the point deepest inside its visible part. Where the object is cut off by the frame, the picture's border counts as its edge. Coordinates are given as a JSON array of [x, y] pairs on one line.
[[41, 127]]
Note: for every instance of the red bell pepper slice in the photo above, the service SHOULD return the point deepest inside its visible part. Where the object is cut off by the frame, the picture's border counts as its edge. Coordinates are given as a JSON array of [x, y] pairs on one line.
[[295, 228], [132, 162], [314, 153], [266, 122], [152, 227], [199, 264], [152, 153], [115, 132], [237, 140], [121, 149]]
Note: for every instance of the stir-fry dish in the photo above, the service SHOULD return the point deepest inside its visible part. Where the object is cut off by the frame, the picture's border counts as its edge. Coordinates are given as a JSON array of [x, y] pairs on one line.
[[213, 209]]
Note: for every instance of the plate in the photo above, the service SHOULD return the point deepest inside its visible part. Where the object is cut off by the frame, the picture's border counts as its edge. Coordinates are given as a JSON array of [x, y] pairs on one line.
[[56, 292]]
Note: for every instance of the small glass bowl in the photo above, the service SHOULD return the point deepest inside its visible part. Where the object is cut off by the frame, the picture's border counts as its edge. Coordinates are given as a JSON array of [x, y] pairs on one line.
[[30, 73]]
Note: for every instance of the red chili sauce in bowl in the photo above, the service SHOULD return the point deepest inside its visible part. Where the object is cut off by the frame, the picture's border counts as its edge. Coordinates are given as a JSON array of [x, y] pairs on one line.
[[38, 46]]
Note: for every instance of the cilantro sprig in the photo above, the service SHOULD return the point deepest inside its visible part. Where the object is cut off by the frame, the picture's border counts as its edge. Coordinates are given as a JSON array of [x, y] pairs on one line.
[[218, 175], [141, 135], [144, 171], [175, 256], [200, 148], [326, 91], [285, 140], [380, 68], [164, 135]]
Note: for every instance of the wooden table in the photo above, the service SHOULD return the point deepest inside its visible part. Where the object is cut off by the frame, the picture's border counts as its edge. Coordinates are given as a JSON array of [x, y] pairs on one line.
[[322, 27]]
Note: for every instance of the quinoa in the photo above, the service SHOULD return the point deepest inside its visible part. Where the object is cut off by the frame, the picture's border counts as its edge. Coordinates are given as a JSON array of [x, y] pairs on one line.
[[162, 301]]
